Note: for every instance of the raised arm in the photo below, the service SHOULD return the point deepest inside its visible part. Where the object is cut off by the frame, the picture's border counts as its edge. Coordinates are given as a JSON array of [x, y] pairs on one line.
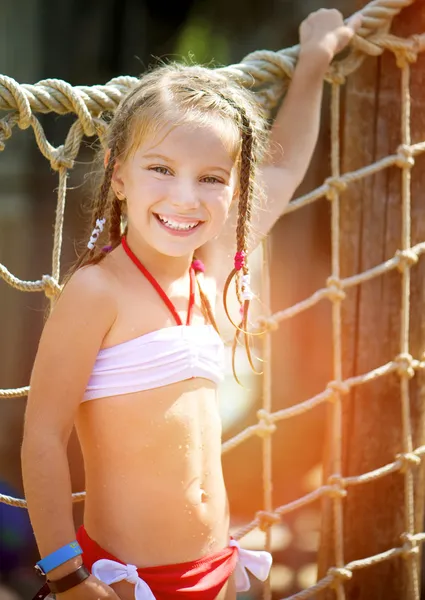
[[67, 350], [294, 133]]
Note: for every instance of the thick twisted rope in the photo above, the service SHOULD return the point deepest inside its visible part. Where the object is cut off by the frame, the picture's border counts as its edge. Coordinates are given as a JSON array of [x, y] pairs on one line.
[[257, 70]]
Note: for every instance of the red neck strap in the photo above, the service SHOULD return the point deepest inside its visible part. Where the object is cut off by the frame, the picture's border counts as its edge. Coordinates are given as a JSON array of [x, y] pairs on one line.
[[159, 289]]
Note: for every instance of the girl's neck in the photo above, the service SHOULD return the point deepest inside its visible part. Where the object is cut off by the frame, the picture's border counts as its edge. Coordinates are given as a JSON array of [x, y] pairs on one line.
[[159, 265]]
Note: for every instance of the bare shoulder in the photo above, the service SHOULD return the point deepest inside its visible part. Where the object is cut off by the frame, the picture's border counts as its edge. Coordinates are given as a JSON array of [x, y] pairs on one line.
[[72, 336], [90, 281], [87, 303], [87, 298]]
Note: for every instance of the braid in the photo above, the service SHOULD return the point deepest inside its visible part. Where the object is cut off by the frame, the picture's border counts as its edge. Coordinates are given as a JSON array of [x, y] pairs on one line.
[[91, 256], [115, 223], [245, 201], [243, 228]]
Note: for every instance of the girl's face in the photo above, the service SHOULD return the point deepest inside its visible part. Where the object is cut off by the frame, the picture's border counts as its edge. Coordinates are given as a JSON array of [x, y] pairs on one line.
[[178, 186]]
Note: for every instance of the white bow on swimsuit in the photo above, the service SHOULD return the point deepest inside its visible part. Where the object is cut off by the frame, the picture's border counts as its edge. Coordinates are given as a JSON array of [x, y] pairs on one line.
[[258, 562]]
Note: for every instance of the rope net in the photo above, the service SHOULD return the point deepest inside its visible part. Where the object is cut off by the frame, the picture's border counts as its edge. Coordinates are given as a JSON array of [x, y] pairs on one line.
[[268, 73]]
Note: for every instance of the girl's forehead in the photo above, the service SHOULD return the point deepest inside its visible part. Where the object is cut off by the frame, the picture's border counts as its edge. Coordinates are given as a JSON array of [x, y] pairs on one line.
[[191, 138]]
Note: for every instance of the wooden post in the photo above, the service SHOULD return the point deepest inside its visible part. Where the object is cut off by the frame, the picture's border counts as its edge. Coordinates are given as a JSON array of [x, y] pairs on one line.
[[370, 225]]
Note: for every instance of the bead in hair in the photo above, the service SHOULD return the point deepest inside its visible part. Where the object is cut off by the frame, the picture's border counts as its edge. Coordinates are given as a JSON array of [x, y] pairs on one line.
[[96, 232], [198, 266], [239, 260], [246, 287]]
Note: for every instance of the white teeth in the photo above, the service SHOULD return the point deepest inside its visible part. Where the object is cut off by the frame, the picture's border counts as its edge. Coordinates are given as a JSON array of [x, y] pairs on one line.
[[178, 226]]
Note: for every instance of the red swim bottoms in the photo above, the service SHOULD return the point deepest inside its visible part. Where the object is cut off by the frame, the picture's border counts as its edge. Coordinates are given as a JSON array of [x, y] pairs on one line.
[[201, 579]]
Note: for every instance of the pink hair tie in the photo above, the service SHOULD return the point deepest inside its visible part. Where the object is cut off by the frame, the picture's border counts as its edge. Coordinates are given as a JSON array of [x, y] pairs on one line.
[[239, 260], [198, 266], [106, 248]]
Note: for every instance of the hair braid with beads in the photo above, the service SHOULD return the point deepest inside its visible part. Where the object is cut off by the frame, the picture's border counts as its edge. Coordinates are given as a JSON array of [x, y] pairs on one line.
[[92, 255], [243, 228]]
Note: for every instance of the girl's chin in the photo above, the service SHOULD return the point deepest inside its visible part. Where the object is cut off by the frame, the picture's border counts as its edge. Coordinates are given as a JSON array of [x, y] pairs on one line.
[[177, 248]]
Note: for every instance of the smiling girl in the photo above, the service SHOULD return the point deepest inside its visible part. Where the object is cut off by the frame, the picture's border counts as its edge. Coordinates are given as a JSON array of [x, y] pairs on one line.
[[131, 353]]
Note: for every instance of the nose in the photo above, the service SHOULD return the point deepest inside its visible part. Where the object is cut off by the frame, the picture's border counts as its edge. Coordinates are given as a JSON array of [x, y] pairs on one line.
[[185, 195]]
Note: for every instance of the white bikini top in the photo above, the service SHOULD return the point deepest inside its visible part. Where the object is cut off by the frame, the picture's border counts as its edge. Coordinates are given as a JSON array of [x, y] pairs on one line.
[[158, 358]]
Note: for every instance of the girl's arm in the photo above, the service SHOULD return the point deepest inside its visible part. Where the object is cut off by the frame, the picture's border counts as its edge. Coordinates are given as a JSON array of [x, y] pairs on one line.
[[294, 133], [65, 357]]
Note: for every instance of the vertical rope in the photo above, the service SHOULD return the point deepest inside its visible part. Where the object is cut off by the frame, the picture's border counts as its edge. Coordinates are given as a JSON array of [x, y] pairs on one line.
[[336, 443], [409, 504], [267, 407], [58, 233]]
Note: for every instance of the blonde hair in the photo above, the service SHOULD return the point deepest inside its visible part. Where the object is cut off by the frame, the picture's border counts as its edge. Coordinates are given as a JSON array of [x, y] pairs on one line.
[[179, 94]]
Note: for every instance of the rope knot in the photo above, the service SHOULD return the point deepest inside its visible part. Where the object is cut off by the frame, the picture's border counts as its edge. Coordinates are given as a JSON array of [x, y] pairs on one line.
[[338, 386], [336, 486], [266, 519], [267, 324], [405, 158], [368, 46], [340, 574], [335, 291], [406, 259], [335, 75], [404, 362], [5, 131], [59, 160], [416, 43], [51, 287], [410, 546], [407, 461], [336, 185], [405, 55], [265, 425]]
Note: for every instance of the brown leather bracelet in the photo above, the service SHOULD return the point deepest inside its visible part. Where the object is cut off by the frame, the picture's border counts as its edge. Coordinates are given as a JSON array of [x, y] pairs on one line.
[[69, 581]]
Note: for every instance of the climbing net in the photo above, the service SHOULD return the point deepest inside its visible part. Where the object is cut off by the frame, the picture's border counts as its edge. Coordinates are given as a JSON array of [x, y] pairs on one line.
[[268, 74]]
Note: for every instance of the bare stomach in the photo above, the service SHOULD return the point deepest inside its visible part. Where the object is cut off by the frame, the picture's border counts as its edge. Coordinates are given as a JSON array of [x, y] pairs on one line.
[[155, 493]]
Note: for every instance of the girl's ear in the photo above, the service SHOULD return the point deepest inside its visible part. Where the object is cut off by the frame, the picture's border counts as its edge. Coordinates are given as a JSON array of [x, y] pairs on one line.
[[117, 183]]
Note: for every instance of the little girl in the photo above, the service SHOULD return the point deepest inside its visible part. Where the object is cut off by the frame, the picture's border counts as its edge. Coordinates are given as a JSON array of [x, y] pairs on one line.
[[131, 354]]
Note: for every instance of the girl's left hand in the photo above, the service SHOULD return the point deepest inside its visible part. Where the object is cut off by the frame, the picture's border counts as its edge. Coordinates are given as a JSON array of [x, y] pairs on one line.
[[323, 33]]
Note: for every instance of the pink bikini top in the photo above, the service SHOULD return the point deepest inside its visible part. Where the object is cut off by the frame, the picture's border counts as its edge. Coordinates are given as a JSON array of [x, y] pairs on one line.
[[161, 357]]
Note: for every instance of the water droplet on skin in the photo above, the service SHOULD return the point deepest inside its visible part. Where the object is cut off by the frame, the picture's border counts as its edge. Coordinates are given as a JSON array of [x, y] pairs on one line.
[[180, 446]]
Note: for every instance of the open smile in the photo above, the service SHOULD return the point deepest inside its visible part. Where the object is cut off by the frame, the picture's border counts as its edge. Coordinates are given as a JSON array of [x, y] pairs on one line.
[[177, 226]]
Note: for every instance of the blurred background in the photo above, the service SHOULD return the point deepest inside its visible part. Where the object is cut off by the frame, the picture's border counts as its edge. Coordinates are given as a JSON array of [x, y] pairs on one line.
[[86, 43]]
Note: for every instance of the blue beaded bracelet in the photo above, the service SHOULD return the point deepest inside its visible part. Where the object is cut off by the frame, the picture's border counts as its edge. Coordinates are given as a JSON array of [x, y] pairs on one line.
[[57, 558]]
